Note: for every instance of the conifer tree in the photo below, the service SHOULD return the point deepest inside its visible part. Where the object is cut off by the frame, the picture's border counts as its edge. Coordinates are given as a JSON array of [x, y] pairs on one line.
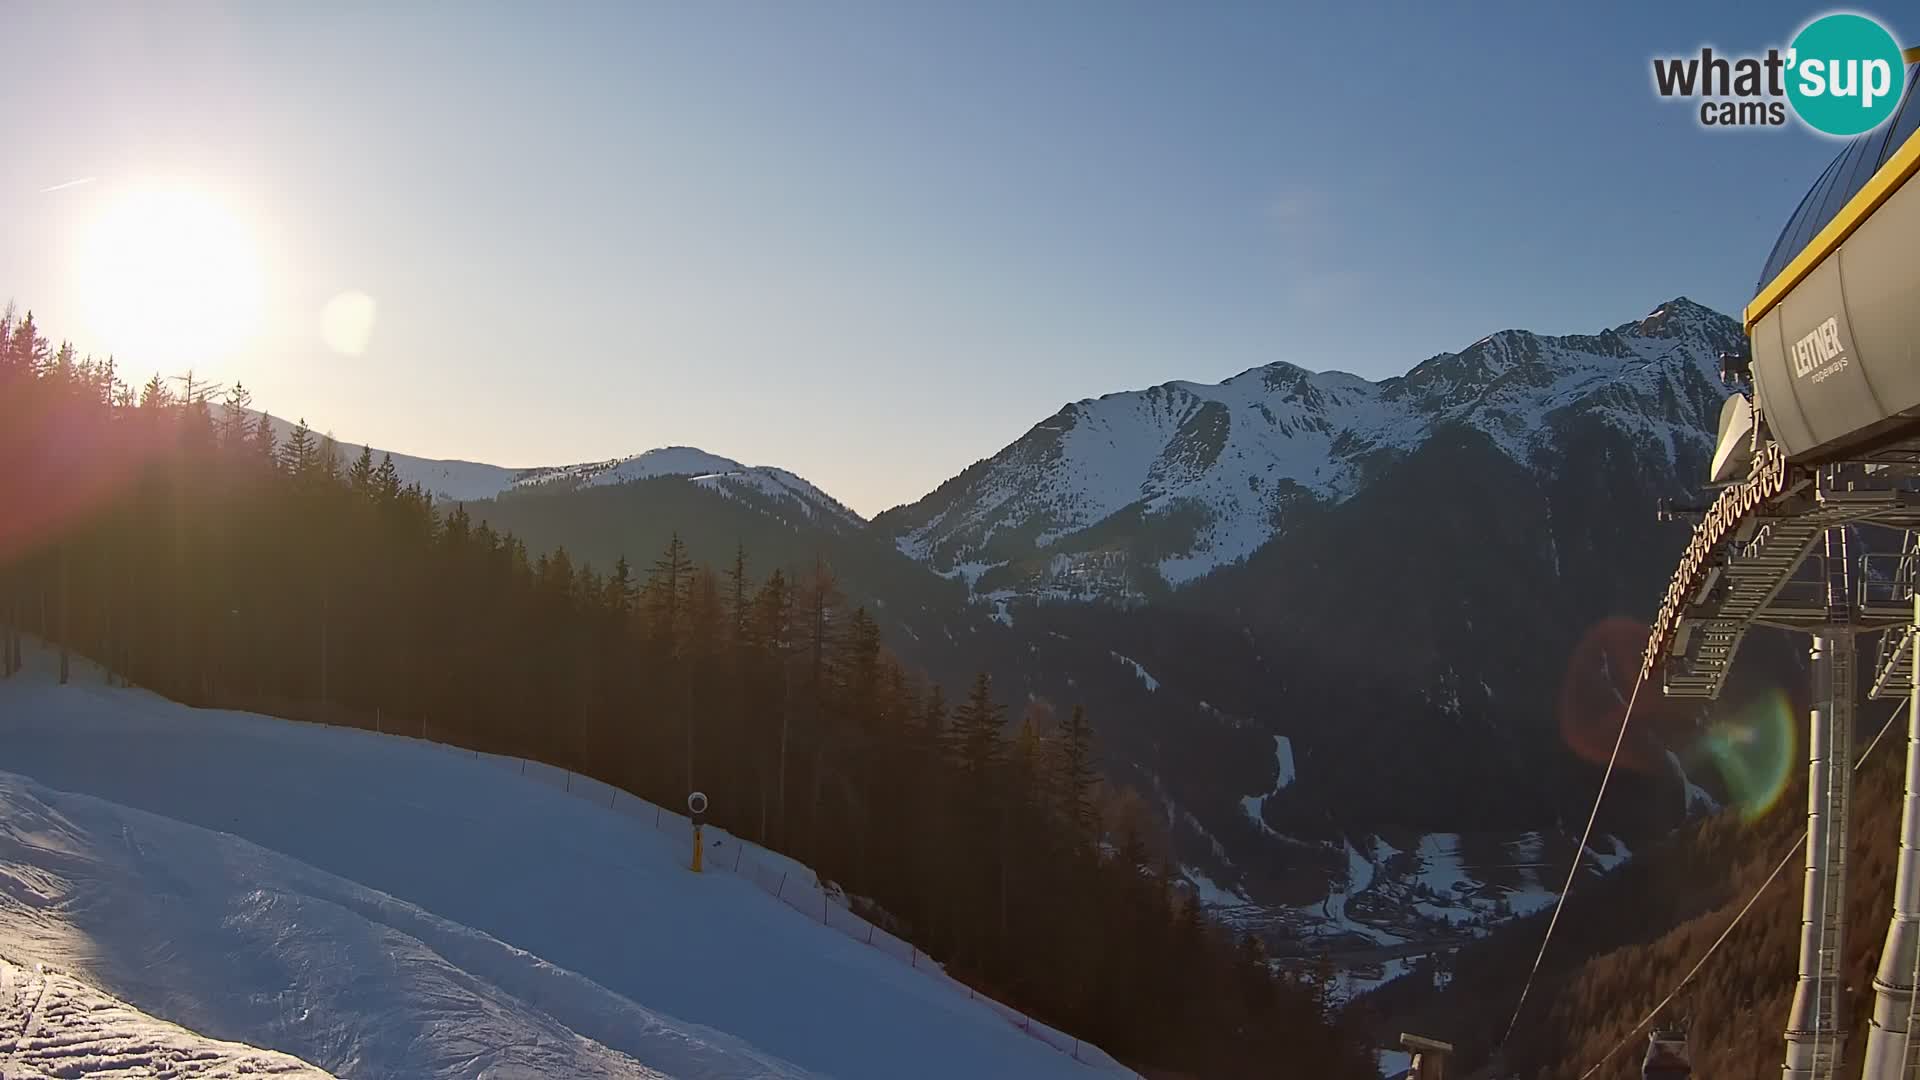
[[360, 474], [1075, 776], [296, 457], [665, 595]]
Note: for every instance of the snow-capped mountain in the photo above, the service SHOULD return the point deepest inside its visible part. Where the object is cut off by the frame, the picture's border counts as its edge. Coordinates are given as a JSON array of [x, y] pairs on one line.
[[775, 489], [710, 471], [1140, 490]]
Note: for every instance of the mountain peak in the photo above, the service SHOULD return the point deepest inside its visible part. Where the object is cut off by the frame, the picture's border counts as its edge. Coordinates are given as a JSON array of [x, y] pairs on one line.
[[1676, 317]]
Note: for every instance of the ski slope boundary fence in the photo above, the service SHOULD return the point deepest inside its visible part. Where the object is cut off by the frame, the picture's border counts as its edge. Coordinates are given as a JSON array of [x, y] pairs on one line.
[[789, 881]]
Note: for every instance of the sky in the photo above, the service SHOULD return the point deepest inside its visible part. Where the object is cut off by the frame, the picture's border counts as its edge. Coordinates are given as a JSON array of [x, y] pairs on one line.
[[871, 243]]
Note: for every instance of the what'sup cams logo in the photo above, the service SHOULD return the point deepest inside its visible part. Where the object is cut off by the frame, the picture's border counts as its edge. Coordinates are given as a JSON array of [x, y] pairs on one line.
[[1842, 75]]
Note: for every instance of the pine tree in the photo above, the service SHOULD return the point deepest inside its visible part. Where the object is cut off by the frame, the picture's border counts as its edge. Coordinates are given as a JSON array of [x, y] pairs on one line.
[[665, 595], [327, 460], [297, 455], [386, 479], [360, 475], [773, 637], [263, 441], [233, 417], [155, 395], [739, 608], [1075, 777], [28, 348], [619, 589], [976, 742]]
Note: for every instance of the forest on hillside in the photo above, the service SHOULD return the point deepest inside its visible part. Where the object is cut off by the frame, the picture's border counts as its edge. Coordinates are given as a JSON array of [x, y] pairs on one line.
[[175, 539]]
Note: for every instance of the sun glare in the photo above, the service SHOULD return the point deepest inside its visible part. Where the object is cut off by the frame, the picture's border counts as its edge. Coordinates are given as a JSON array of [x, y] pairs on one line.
[[170, 276]]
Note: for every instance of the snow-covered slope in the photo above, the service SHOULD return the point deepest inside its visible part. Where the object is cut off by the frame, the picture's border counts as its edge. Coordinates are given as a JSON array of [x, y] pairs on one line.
[[60, 1027], [456, 481], [384, 908], [468, 481], [722, 475], [1190, 477]]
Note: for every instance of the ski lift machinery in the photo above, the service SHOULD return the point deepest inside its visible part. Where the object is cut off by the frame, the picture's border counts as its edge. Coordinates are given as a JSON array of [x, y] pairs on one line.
[[1667, 1054], [1821, 439]]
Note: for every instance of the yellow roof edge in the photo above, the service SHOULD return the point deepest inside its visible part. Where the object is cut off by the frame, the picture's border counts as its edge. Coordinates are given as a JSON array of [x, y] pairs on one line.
[[1898, 169], [1911, 56]]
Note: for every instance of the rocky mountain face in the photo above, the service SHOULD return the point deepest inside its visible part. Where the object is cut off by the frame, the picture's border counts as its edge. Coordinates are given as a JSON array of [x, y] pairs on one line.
[[1130, 494]]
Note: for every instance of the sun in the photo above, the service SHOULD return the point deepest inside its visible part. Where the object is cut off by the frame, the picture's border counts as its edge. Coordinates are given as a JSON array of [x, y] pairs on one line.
[[170, 276]]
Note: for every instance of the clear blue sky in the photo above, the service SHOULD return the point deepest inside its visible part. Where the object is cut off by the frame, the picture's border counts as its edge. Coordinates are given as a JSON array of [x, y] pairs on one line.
[[875, 242]]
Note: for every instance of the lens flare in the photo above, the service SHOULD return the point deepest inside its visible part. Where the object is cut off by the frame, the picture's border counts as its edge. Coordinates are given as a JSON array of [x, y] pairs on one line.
[[346, 323], [1753, 750], [1593, 699]]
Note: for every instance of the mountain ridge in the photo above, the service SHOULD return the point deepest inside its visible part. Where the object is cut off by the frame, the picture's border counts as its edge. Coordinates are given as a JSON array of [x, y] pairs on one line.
[[460, 480], [1187, 477]]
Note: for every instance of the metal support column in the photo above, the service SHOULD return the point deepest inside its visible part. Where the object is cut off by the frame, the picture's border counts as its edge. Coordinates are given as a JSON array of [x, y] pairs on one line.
[[1815, 1028], [1890, 1038]]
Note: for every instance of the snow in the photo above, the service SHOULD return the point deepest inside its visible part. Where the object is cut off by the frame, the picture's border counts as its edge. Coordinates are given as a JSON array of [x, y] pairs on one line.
[[971, 572], [1530, 899], [724, 476], [458, 481], [61, 1027], [1395, 1063], [1284, 774], [1359, 870], [1351, 983], [386, 907], [1230, 457], [1528, 847], [1441, 866], [1607, 862], [1146, 680], [1252, 805], [1283, 761], [1211, 894], [665, 461], [1001, 613], [781, 486], [1331, 914], [470, 481], [1450, 914]]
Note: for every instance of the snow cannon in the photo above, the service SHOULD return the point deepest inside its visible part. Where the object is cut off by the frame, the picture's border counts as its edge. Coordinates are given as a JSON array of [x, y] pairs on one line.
[[697, 810], [1835, 322]]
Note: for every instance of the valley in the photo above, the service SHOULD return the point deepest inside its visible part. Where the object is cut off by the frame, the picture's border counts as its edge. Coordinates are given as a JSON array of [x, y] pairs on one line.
[[1211, 568]]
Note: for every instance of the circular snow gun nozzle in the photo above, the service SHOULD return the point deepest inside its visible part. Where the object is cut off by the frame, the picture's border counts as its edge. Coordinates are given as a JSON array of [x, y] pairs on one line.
[[697, 807]]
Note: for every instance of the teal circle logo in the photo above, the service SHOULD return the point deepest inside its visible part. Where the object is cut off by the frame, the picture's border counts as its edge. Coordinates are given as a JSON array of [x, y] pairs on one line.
[[1845, 75]]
